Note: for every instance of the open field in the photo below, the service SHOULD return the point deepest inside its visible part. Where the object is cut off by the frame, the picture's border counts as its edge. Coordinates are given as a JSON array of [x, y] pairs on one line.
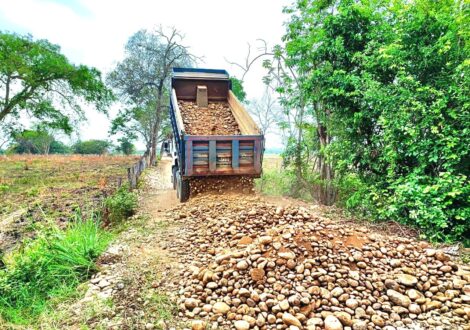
[[36, 189]]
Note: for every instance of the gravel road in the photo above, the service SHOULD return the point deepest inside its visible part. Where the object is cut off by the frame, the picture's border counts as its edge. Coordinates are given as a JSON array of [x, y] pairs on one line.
[[242, 261]]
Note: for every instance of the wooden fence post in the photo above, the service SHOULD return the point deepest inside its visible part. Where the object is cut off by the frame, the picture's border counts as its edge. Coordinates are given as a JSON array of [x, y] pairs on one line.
[[134, 172]]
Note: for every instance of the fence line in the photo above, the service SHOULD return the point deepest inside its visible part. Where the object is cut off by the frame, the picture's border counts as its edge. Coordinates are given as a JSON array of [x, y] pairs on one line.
[[134, 172]]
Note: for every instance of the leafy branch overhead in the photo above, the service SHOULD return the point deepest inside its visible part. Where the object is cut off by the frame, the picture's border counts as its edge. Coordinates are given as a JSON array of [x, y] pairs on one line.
[[37, 79]]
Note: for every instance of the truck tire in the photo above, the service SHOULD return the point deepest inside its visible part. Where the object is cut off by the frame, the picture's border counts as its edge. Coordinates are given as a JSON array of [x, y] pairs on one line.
[[182, 188], [174, 169]]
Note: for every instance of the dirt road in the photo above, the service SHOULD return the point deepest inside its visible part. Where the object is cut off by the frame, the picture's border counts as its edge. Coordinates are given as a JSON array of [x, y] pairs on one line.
[[241, 261]]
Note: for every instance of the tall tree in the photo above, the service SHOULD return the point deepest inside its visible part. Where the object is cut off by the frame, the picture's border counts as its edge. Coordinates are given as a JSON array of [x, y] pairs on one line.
[[387, 82], [142, 78], [35, 78]]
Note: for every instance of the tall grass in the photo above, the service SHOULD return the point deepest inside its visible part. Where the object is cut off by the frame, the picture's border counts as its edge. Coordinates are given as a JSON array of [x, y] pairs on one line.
[[282, 182], [50, 266]]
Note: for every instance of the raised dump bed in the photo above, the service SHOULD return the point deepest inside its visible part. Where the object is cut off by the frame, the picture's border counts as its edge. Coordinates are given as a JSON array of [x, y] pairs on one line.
[[213, 133]]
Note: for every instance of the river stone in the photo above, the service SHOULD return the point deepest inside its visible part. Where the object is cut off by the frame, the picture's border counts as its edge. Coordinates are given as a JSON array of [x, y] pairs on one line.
[[332, 323], [287, 254], [257, 274], [352, 303], [441, 256], [344, 318], [359, 325], [398, 298], [241, 325], [378, 320], [406, 279], [242, 265], [191, 303], [220, 308], [198, 325], [290, 319], [265, 239], [245, 240], [336, 292], [414, 308]]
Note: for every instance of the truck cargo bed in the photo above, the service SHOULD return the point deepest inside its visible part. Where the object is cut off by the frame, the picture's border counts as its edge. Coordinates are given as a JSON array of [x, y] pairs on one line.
[[225, 142]]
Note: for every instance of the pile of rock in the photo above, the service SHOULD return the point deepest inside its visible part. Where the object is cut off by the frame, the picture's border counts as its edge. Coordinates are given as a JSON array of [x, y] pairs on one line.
[[216, 119], [222, 184], [252, 265]]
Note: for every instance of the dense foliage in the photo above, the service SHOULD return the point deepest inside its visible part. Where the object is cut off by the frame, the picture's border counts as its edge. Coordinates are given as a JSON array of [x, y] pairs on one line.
[[38, 80], [91, 147], [387, 85], [31, 142], [37, 141]]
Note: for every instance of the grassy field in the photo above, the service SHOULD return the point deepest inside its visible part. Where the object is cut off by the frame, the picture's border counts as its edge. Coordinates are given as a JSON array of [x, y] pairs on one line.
[[51, 227], [37, 189]]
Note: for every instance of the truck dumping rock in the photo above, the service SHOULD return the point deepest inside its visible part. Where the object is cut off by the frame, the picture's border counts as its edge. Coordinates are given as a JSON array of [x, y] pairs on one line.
[[248, 264], [216, 119]]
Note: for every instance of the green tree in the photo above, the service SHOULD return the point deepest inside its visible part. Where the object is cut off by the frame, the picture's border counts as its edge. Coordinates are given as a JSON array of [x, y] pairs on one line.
[[32, 142], [35, 78], [126, 146], [237, 89], [58, 147], [91, 147], [387, 85], [141, 81]]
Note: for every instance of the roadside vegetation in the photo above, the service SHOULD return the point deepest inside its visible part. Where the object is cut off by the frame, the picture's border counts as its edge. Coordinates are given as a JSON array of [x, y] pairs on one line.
[[376, 109], [58, 214], [49, 267]]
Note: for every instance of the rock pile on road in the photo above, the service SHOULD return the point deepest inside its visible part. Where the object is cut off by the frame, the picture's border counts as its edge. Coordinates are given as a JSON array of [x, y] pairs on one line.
[[216, 119], [252, 265]]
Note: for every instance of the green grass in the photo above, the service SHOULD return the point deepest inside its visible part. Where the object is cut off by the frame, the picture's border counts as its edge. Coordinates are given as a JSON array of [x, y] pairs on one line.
[[274, 182], [281, 182], [162, 307], [49, 268]]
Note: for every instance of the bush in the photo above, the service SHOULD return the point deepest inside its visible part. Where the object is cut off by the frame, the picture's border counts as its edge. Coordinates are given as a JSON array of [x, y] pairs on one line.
[[58, 147], [92, 147], [49, 267], [121, 205], [125, 146]]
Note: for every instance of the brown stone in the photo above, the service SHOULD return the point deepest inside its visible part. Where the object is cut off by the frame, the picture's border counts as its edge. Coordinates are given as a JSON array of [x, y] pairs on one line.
[[257, 274], [245, 240]]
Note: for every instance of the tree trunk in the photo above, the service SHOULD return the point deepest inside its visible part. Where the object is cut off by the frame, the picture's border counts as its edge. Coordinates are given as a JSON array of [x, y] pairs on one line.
[[326, 192], [298, 150], [157, 124]]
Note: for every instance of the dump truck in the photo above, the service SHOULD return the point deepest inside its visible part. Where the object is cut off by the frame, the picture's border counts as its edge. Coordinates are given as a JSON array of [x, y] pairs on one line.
[[213, 134]]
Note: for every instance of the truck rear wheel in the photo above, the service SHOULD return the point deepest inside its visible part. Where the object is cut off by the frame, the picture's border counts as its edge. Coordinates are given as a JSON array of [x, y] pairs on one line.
[[182, 188], [174, 169]]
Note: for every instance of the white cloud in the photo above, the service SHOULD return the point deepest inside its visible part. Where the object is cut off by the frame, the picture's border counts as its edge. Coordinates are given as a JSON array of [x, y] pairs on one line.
[[94, 32]]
